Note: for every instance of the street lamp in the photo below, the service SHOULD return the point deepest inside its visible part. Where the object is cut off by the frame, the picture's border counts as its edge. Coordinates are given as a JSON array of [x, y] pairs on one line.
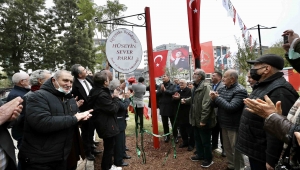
[[259, 27]]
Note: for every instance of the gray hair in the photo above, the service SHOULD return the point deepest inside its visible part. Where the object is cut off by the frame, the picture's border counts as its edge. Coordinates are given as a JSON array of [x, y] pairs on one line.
[[201, 73], [36, 75], [58, 73], [114, 84], [17, 77]]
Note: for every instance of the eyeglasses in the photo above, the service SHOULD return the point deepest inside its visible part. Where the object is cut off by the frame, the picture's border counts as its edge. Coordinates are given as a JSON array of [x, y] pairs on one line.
[[260, 67], [196, 74]]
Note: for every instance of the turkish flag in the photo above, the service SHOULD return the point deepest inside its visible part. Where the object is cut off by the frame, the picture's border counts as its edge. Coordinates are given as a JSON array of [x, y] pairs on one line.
[[193, 10], [160, 59]]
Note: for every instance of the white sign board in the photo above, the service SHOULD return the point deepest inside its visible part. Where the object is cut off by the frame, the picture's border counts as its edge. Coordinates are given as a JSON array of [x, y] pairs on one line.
[[124, 50]]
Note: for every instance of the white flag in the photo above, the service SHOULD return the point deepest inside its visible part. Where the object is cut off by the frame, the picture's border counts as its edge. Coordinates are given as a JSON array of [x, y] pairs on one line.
[[230, 9], [240, 21], [225, 4]]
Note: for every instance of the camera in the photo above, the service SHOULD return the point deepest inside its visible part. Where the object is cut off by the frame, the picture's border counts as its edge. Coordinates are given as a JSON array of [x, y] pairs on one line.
[[285, 39]]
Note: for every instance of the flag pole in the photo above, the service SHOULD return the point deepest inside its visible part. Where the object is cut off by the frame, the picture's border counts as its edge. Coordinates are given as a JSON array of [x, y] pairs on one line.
[[151, 77]]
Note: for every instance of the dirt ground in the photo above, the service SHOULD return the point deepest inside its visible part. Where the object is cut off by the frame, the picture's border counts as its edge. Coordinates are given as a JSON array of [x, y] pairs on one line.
[[155, 157]]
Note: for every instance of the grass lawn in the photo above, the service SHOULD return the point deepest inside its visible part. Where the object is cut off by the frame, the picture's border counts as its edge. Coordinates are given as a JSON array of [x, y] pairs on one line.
[[130, 130]]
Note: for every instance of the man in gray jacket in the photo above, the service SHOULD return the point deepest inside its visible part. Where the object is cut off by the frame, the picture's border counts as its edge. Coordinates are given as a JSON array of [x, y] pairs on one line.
[[139, 92]]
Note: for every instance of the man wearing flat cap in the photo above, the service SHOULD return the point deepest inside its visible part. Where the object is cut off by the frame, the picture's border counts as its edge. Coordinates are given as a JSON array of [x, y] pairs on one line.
[[262, 148]]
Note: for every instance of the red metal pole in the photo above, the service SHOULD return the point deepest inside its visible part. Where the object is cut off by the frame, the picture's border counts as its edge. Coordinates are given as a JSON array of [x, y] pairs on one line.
[[152, 78]]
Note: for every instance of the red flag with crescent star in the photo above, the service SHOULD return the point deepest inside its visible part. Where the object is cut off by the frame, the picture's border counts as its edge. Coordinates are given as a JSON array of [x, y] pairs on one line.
[[160, 60], [193, 10]]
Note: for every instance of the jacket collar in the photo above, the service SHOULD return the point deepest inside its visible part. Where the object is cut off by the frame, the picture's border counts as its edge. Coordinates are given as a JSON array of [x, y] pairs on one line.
[[269, 79], [21, 88], [232, 86]]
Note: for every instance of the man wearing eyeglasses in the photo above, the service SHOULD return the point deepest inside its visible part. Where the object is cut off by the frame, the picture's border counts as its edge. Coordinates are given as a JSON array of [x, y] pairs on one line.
[[202, 118], [262, 148], [81, 89]]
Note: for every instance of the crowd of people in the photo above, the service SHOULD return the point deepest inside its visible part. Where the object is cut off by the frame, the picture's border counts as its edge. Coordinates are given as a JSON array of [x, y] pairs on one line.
[[47, 112]]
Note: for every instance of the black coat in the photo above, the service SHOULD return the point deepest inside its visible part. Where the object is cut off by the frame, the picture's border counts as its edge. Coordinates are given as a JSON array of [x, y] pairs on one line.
[[105, 111], [49, 125], [184, 109], [230, 106], [253, 140], [148, 89], [16, 131], [7, 145], [166, 104], [79, 91], [121, 115]]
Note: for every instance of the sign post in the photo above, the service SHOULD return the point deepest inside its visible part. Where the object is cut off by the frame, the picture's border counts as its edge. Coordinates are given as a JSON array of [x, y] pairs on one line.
[[152, 78]]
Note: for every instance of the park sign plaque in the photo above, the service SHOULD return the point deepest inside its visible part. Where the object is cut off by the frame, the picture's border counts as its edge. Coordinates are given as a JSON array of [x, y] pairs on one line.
[[124, 50]]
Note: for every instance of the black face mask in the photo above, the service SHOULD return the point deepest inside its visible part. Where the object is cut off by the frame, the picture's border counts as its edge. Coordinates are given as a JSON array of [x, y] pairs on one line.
[[254, 75]]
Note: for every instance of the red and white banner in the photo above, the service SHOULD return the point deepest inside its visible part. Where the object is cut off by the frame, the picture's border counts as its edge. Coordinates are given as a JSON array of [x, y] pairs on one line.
[[193, 10], [231, 11], [160, 59], [207, 57]]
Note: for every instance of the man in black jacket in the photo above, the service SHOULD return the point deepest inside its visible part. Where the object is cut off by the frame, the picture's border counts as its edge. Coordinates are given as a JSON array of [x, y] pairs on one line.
[[105, 106], [229, 100], [185, 128], [8, 112], [166, 106], [262, 148], [50, 121], [81, 89]]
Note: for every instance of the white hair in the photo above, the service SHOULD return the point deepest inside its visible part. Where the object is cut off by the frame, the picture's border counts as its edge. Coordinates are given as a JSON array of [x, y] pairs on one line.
[[114, 84], [183, 81], [17, 77]]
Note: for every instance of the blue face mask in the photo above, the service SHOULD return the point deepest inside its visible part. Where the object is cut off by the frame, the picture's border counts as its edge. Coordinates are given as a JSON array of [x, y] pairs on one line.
[[293, 55], [60, 89]]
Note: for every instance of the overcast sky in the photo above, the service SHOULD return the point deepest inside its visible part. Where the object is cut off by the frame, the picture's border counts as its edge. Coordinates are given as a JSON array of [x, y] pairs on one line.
[[170, 25]]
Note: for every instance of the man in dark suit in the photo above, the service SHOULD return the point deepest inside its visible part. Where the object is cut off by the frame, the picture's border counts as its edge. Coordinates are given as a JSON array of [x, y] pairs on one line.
[[166, 106], [216, 84], [8, 112], [81, 88]]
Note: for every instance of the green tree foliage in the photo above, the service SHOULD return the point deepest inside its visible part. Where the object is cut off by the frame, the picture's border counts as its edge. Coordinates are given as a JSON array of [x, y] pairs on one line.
[[246, 51], [75, 39], [113, 9], [20, 38], [276, 48]]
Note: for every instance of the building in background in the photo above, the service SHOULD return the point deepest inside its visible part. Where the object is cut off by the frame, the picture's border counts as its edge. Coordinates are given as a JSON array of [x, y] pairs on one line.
[[223, 60]]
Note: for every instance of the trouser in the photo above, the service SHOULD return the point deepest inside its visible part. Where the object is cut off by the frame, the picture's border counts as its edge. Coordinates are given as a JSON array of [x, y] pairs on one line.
[[139, 112], [87, 133], [215, 136], [108, 144], [55, 165], [119, 148], [187, 134], [165, 121], [203, 144], [234, 157]]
